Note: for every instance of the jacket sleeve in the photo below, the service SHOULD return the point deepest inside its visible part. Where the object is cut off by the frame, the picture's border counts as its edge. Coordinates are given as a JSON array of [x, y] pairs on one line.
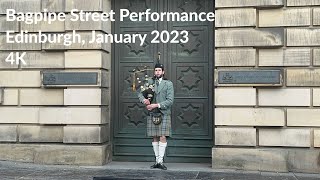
[[169, 97], [140, 96]]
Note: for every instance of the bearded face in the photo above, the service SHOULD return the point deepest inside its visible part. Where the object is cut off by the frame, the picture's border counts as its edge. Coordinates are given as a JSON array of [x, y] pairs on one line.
[[158, 72]]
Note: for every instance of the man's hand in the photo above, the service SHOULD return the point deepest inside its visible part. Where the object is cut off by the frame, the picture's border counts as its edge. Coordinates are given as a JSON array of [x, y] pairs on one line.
[[152, 106], [146, 102]]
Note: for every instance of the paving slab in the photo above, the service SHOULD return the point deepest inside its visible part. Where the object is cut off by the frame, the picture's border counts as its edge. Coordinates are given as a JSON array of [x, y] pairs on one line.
[[137, 170]]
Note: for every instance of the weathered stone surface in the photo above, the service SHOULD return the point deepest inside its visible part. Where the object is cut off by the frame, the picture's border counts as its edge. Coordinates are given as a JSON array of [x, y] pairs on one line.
[[271, 159], [16, 152], [94, 5], [10, 97], [235, 136], [105, 79], [95, 155], [85, 36], [297, 57], [303, 77], [316, 97], [85, 134], [35, 60], [235, 96], [284, 17], [263, 37], [303, 117], [304, 160], [17, 46], [86, 97], [20, 78], [303, 2], [72, 154], [285, 137], [249, 116], [104, 26], [303, 37], [235, 17], [1, 95], [249, 159], [316, 57], [16, 115], [316, 16], [107, 5], [87, 59], [41, 97], [53, 5], [62, 44], [45, 60], [32, 133], [20, 5], [281, 57], [74, 115], [8, 25], [316, 138], [56, 154], [44, 26], [8, 133], [7, 65], [235, 57], [284, 97], [271, 57], [244, 3]]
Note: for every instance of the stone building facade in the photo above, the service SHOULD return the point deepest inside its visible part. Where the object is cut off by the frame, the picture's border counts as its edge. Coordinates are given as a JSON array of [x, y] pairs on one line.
[[255, 126], [52, 124], [268, 128]]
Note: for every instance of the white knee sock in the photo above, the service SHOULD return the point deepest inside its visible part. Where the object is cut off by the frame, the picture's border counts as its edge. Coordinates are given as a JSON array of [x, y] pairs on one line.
[[156, 150], [162, 150]]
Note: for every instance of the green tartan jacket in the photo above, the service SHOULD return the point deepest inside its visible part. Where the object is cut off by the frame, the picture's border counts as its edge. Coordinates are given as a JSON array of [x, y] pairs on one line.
[[164, 95]]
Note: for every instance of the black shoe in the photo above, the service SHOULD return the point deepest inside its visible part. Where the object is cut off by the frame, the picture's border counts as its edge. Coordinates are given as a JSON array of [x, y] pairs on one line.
[[162, 166], [156, 165]]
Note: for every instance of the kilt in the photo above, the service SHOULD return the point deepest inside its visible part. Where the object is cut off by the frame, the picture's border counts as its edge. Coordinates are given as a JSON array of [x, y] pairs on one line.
[[163, 129]]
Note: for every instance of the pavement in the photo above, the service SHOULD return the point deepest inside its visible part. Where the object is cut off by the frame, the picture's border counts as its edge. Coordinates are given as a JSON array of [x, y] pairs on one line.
[[138, 170]]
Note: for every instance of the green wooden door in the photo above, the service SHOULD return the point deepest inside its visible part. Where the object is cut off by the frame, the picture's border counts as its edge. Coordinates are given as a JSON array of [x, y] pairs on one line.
[[189, 66]]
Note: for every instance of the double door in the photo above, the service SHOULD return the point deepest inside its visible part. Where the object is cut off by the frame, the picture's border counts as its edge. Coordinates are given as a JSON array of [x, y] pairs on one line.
[[188, 65]]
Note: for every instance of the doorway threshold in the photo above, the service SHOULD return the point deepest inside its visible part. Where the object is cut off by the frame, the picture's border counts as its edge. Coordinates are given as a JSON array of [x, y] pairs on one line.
[[172, 166]]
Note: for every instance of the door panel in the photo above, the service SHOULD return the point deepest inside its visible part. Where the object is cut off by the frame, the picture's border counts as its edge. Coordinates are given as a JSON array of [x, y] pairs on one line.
[[195, 50], [190, 119], [188, 66], [190, 80]]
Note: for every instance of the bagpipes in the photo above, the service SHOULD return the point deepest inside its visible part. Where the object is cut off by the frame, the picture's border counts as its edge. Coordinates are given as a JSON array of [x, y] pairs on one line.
[[143, 80], [145, 83]]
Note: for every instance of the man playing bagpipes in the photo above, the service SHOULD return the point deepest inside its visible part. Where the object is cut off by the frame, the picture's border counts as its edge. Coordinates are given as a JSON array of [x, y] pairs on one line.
[[158, 96]]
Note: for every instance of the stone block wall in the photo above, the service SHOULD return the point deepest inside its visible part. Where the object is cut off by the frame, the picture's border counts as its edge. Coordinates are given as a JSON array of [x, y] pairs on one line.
[[268, 128], [55, 125], [256, 128]]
